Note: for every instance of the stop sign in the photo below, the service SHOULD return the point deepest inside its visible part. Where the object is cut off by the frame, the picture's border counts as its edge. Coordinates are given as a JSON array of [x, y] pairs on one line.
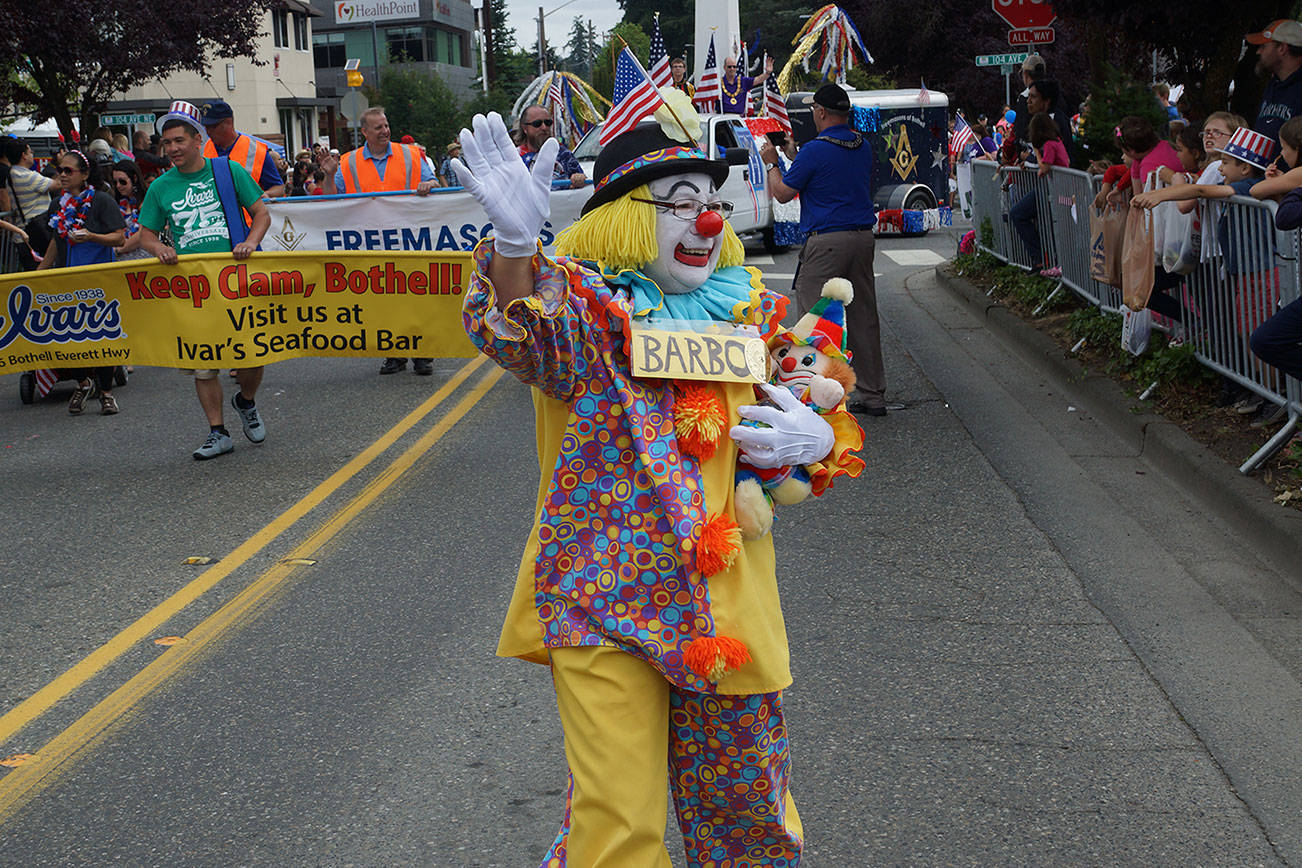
[[1025, 14]]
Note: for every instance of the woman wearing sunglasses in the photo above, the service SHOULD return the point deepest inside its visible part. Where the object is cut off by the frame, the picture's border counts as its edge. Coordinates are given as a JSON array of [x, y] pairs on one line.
[[87, 226], [129, 190]]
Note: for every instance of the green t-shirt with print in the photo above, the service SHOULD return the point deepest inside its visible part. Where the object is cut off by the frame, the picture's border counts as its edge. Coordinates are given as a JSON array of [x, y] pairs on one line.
[[187, 202]]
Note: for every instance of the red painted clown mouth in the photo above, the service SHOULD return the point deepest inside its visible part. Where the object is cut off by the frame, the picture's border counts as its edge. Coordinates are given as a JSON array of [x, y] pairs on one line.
[[697, 257]]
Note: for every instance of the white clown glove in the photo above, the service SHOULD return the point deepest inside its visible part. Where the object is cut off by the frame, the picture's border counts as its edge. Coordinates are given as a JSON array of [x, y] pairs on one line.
[[515, 197], [796, 434]]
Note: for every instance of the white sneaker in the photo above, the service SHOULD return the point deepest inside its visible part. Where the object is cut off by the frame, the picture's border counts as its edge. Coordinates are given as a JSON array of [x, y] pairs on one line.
[[253, 427], [216, 444]]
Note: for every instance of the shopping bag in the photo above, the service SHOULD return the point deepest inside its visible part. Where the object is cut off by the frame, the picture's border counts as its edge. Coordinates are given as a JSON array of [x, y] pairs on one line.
[[1137, 259], [1182, 242], [1107, 230], [1136, 326]]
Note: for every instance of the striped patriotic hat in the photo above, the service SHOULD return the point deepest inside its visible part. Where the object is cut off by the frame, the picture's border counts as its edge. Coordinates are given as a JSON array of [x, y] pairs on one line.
[[1251, 147], [180, 110]]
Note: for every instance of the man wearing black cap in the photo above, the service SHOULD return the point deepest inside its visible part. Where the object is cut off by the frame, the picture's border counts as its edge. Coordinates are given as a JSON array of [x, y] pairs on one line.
[[833, 176], [254, 155]]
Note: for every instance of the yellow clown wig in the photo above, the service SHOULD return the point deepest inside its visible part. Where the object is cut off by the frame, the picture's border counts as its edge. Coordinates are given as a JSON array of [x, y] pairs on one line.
[[622, 234]]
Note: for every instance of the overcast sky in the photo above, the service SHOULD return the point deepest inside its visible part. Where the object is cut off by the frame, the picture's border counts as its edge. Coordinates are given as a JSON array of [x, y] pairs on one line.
[[523, 16]]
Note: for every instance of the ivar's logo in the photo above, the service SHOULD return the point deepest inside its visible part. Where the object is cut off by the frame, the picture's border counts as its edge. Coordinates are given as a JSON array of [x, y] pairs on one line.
[[61, 318]]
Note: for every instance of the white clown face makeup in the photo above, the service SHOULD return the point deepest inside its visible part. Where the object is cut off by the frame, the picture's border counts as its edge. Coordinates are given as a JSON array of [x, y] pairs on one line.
[[686, 257]]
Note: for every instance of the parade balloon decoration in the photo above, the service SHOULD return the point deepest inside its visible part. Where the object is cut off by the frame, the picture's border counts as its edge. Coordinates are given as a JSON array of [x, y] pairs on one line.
[[573, 103], [830, 43]]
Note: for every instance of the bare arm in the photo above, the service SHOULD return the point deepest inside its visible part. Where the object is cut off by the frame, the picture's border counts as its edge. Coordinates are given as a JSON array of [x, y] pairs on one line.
[[1278, 185], [1182, 192], [261, 223], [150, 241]]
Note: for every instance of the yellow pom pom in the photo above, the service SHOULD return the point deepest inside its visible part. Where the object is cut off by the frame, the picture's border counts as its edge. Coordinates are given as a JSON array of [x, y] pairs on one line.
[[699, 421]]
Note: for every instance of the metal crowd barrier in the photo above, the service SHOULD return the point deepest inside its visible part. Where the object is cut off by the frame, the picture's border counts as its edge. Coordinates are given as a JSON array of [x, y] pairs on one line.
[[1248, 272]]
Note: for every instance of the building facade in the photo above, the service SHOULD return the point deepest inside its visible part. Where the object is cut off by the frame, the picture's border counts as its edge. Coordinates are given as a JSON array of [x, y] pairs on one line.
[[436, 35], [276, 101]]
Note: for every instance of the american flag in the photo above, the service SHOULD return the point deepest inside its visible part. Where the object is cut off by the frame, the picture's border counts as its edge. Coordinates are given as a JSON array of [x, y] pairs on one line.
[[635, 97], [554, 93], [707, 90], [961, 139], [774, 105], [924, 95], [658, 59]]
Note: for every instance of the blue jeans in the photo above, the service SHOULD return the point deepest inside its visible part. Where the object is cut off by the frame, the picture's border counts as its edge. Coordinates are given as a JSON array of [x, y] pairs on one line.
[[1278, 341], [1025, 219]]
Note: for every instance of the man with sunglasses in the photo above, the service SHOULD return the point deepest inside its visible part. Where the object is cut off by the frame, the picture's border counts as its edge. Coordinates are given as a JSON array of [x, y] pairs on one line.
[[735, 89], [536, 126]]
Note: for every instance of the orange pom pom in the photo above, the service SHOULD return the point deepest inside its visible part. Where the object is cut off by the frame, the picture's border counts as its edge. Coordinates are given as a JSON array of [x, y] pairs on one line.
[[699, 421], [718, 546], [713, 657]]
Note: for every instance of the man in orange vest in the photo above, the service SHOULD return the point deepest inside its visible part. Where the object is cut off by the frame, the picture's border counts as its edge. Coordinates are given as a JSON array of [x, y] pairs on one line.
[[381, 165], [226, 141]]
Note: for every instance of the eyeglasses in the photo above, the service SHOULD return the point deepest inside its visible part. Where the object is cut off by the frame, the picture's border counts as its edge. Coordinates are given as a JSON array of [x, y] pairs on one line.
[[544, 122], [1215, 134], [690, 209]]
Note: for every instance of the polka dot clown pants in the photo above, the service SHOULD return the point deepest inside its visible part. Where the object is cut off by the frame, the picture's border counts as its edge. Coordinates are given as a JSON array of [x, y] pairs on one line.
[[728, 767]]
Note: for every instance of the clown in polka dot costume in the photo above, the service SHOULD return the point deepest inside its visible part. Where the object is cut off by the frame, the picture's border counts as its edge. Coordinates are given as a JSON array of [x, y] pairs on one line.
[[661, 624]]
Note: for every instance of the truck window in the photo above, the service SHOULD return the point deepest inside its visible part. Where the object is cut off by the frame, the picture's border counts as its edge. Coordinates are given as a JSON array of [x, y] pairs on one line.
[[724, 138]]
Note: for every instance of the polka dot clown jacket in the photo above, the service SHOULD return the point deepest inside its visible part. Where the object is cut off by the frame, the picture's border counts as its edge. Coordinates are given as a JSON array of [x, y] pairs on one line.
[[634, 544]]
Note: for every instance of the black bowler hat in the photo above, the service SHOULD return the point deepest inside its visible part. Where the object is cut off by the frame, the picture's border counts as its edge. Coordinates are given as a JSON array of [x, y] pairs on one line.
[[217, 111], [644, 154], [831, 97]]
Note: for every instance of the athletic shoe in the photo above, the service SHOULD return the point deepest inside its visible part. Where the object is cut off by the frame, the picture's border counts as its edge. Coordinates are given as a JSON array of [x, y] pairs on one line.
[[1249, 405], [424, 367], [393, 366], [1270, 415], [253, 427], [108, 405], [216, 444], [77, 403], [1052, 273]]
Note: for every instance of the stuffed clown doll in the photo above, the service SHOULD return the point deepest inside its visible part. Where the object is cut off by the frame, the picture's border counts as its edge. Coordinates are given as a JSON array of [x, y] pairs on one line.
[[661, 625]]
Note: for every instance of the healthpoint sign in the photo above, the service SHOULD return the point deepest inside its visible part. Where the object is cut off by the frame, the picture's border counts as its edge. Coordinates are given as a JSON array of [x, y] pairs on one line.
[[359, 11]]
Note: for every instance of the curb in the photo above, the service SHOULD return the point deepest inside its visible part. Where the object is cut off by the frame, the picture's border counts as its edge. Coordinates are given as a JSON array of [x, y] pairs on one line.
[[1240, 502]]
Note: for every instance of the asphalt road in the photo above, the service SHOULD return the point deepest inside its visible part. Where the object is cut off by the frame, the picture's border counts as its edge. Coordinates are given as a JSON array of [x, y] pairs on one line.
[[1014, 642]]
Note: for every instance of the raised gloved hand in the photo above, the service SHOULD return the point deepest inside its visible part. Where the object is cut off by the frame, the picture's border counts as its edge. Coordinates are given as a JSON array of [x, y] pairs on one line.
[[796, 434], [515, 197]]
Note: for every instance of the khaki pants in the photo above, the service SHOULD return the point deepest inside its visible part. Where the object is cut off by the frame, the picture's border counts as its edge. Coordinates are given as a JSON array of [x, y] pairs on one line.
[[849, 255]]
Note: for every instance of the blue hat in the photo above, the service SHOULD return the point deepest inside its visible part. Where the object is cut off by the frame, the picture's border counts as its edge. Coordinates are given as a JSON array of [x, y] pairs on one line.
[[216, 111]]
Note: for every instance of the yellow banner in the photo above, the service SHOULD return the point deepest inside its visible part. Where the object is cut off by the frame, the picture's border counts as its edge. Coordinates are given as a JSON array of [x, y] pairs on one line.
[[212, 311]]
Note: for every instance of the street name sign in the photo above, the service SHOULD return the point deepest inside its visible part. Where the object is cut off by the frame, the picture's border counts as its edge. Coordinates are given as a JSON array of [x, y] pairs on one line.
[[1001, 59]]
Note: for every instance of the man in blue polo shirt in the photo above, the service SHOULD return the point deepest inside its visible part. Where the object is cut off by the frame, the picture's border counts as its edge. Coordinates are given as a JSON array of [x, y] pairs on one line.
[[833, 176], [1279, 54]]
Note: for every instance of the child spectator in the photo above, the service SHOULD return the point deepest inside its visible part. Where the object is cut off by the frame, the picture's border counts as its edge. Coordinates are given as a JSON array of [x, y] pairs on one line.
[[1047, 142], [1244, 160]]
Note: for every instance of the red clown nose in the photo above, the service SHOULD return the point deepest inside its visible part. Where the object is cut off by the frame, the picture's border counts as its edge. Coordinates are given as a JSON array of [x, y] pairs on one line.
[[709, 224]]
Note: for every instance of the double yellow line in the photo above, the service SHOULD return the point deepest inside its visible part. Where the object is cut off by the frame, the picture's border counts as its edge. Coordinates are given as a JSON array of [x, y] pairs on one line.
[[21, 784]]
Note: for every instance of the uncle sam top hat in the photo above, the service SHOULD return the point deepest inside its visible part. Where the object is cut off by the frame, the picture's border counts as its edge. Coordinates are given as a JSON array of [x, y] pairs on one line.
[[180, 110], [1250, 147]]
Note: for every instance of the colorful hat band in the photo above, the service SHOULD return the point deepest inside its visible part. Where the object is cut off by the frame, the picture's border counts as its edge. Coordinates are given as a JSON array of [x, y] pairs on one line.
[[661, 156]]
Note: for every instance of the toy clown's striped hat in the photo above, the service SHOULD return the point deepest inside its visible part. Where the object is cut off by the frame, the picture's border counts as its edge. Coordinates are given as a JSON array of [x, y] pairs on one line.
[[823, 328]]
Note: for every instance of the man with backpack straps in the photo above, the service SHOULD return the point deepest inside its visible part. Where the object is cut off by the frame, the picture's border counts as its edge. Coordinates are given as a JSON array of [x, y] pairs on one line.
[[202, 201]]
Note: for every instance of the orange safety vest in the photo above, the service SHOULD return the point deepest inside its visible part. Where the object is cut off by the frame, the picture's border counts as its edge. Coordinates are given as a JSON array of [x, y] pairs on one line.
[[248, 153], [360, 175]]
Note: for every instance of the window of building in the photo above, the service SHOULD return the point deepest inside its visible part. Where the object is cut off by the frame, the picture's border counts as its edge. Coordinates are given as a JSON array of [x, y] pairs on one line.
[[447, 47], [287, 129], [407, 43], [329, 51], [301, 41], [280, 27]]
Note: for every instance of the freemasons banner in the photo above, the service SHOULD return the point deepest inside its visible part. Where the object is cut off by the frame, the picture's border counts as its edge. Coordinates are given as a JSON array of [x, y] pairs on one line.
[[442, 221], [213, 311]]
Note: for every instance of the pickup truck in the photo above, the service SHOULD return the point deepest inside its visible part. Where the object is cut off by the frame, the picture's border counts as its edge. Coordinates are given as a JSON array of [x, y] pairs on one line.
[[724, 137]]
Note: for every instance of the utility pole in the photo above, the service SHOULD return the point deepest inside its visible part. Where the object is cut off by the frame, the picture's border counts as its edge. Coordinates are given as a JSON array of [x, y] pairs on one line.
[[489, 66], [542, 43]]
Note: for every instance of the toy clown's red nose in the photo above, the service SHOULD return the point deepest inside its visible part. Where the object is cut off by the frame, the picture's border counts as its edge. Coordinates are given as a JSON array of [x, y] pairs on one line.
[[709, 224], [788, 364]]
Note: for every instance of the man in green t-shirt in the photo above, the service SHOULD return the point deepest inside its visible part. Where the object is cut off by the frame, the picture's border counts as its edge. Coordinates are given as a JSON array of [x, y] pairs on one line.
[[184, 199]]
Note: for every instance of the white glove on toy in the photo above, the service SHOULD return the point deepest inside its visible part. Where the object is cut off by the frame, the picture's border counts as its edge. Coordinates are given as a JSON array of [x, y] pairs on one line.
[[796, 434], [515, 197]]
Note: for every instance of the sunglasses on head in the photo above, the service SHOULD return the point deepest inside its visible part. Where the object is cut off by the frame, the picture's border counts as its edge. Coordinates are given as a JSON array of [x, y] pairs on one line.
[[542, 122]]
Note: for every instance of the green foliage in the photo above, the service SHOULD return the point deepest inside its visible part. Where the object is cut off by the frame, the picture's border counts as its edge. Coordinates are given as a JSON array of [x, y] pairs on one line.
[[987, 233], [603, 77], [1121, 96], [419, 104], [1095, 327], [1161, 363], [860, 78]]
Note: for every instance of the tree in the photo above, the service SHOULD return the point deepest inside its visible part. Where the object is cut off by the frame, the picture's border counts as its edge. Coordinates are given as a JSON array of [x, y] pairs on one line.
[[419, 104], [583, 48], [677, 22], [603, 77], [75, 55]]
